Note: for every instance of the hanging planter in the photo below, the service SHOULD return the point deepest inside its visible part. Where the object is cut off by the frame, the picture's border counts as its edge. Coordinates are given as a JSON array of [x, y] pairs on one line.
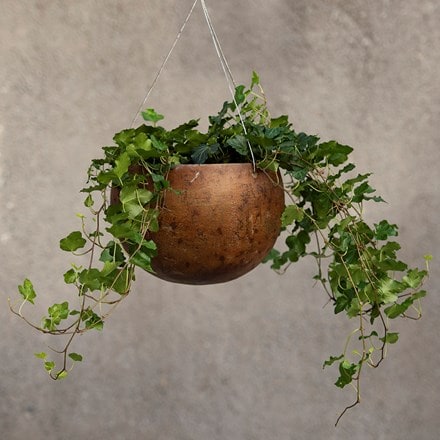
[[217, 222], [206, 207], [198, 208]]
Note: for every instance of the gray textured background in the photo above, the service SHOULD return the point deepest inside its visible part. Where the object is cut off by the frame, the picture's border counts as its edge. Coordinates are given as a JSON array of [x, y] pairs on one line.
[[239, 361]]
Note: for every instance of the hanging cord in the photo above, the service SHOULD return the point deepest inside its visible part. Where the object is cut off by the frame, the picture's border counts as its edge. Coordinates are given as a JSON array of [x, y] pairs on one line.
[[228, 74], [223, 61], [163, 64]]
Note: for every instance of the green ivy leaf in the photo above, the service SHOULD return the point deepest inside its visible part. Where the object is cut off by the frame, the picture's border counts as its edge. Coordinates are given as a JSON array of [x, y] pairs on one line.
[[88, 202], [142, 142], [56, 313], [361, 191], [112, 253], [203, 152], [124, 137], [27, 291], [109, 267], [346, 372], [122, 164], [255, 81], [134, 199], [150, 115], [90, 280], [72, 242], [158, 145], [70, 276], [291, 213], [414, 278], [41, 355], [122, 281], [331, 360], [297, 243], [388, 289], [390, 338], [142, 260], [372, 334], [240, 97], [269, 165], [385, 230], [75, 357], [62, 374], [395, 310], [335, 153], [49, 366], [92, 320], [239, 143], [272, 255], [398, 309]]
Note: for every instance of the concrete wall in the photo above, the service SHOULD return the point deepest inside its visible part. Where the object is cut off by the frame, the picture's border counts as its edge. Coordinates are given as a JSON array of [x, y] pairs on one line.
[[239, 361]]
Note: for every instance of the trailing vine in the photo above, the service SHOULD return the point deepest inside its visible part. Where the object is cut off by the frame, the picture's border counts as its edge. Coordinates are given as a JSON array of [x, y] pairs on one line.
[[357, 264]]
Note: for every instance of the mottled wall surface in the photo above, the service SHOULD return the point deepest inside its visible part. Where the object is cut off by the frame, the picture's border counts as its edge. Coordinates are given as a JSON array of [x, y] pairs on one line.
[[239, 361]]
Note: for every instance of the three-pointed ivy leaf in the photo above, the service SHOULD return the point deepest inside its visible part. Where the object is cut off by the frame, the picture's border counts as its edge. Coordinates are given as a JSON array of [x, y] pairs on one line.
[[132, 194], [291, 213], [27, 291], [388, 289], [56, 313], [133, 200], [72, 242], [414, 278], [122, 164], [240, 144], [334, 153], [91, 280], [124, 137], [203, 152], [385, 230]]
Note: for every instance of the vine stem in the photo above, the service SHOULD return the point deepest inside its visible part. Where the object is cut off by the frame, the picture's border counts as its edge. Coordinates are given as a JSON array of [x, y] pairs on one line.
[[356, 402]]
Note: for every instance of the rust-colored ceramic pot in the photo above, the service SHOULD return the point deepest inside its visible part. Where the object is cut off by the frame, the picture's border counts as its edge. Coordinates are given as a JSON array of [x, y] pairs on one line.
[[219, 224]]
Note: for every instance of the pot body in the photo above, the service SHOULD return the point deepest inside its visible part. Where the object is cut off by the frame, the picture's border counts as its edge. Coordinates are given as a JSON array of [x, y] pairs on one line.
[[217, 223]]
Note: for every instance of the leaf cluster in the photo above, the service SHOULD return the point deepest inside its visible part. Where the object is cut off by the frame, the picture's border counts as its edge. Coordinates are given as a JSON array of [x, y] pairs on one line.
[[357, 263]]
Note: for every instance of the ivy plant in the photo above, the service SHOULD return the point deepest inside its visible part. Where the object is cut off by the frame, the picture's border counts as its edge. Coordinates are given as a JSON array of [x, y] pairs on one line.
[[357, 263]]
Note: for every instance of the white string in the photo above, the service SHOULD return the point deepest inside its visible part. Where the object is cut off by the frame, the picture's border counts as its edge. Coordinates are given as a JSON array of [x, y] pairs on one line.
[[163, 64], [217, 45], [228, 73], [223, 61]]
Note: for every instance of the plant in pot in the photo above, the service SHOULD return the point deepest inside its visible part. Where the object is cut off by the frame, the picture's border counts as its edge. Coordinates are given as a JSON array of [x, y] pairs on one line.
[[206, 207]]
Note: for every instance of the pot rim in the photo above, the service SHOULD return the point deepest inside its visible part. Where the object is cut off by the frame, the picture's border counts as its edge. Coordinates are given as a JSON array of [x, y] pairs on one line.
[[212, 164]]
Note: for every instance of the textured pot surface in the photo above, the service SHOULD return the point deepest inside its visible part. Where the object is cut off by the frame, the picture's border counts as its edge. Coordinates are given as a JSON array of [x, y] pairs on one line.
[[219, 225]]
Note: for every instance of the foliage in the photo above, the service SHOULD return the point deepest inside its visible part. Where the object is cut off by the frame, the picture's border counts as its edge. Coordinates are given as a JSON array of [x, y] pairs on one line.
[[357, 263]]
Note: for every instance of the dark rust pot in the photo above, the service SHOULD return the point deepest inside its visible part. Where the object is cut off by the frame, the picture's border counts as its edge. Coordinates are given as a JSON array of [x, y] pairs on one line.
[[220, 225]]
